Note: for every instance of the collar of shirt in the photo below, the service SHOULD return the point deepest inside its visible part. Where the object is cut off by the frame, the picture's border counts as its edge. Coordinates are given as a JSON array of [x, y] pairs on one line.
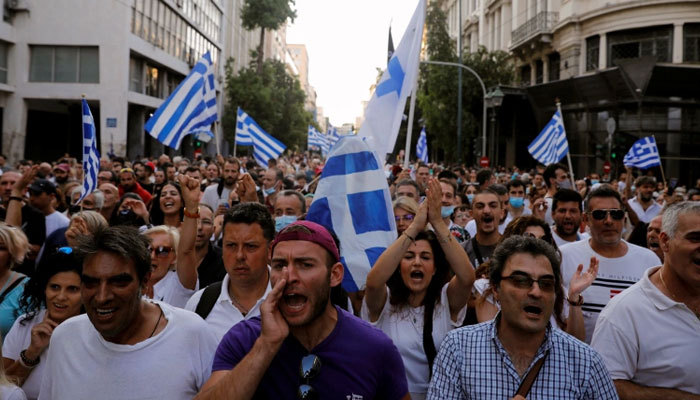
[[660, 300], [224, 297], [544, 348]]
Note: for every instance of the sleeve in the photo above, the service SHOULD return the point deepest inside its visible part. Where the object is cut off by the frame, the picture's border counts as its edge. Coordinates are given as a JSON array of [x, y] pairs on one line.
[[16, 394], [194, 300], [235, 344], [46, 391], [600, 384], [618, 352], [364, 311], [12, 345], [446, 381], [208, 348], [393, 384]]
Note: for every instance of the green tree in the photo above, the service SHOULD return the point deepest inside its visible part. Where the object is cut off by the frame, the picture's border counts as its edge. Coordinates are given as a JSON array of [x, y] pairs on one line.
[[273, 98], [266, 14], [437, 94]]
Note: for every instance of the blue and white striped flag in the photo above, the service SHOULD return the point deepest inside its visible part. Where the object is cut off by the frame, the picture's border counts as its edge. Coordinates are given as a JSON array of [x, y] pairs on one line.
[[422, 147], [314, 141], [190, 108], [353, 200], [384, 111], [550, 145], [643, 154], [91, 157], [249, 133], [332, 136]]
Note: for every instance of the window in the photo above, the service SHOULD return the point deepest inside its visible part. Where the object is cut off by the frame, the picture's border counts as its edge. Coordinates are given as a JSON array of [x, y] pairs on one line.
[[136, 75], [64, 64], [153, 81], [636, 43], [3, 62], [539, 71], [592, 52], [554, 62], [691, 43], [525, 75]]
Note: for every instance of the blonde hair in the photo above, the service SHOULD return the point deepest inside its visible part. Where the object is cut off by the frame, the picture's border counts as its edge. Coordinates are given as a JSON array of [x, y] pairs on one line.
[[172, 232], [94, 220], [16, 242], [407, 204]]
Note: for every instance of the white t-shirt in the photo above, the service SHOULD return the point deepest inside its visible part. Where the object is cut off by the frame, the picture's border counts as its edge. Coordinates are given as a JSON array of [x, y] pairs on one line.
[[174, 364], [405, 328], [211, 196], [170, 290], [614, 275], [12, 392], [560, 242], [645, 215], [649, 339], [54, 221], [19, 338], [224, 314]]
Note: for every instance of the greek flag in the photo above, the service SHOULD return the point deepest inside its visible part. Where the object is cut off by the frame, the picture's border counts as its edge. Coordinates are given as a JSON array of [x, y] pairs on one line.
[[550, 145], [190, 108], [352, 200], [91, 157], [384, 112], [643, 154], [422, 147], [332, 136], [314, 140], [249, 133]]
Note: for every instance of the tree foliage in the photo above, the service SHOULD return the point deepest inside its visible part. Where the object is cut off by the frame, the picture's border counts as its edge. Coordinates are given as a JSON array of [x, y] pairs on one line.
[[274, 99], [266, 14], [437, 95]]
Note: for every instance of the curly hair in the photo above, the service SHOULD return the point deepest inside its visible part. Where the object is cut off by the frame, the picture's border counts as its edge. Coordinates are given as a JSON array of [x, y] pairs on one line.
[[34, 296], [157, 216]]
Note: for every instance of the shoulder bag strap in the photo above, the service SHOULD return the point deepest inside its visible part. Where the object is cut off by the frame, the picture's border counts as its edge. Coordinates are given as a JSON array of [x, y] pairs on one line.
[[9, 288], [208, 300], [477, 252], [526, 384]]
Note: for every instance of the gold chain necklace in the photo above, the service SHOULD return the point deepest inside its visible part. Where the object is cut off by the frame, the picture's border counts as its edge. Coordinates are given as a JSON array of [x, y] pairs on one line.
[[673, 296]]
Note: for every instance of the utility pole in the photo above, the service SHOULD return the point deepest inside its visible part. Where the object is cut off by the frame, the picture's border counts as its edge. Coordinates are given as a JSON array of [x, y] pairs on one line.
[[459, 84]]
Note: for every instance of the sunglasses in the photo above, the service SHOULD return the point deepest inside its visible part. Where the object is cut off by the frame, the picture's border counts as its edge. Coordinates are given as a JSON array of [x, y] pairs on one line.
[[309, 369], [161, 251], [522, 281], [615, 213], [407, 217]]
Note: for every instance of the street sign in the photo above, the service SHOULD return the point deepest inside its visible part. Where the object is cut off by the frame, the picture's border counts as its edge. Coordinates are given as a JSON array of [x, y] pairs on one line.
[[610, 125], [484, 161], [606, 167]]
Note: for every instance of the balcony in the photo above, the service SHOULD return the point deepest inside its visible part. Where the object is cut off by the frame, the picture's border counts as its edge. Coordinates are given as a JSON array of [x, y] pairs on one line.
[[540, 26]]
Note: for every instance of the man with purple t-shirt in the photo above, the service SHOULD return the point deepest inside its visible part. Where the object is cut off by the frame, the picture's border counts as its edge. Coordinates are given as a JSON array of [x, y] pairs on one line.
[[303, 347]]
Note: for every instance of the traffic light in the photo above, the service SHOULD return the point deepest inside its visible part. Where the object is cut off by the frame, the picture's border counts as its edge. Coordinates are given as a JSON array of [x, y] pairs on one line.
[[599, 151], [197, 144]]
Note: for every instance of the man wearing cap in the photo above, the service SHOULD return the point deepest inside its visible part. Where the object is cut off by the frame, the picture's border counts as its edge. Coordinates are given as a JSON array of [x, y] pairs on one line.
[[62, 175], [302, 346], [127, 183], [643, 203], [42, 194]]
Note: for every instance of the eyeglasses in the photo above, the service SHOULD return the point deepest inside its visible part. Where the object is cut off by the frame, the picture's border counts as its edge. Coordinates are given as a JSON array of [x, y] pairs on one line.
[[599, 215], [161, 251], [522, 281], [309, 369], [407, 217]]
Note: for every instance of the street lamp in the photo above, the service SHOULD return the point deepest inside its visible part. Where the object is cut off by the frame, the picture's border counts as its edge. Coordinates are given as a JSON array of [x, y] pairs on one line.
[[494, 100]]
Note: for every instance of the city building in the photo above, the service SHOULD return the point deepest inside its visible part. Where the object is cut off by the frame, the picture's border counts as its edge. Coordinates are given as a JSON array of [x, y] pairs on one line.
[[623, 66], [125, 56], [300, 57]]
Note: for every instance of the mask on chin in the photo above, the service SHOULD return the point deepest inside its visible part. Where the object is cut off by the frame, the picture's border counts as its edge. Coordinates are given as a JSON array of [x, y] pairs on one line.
[[446, 211], [566, 184]]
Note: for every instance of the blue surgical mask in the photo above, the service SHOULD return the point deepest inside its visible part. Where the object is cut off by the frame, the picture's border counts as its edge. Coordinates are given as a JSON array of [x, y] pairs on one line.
[[270, 191], [566, 184], [470, 197], [282, 221], [594, 181], [459, 181], [516, 202], [446, 211]]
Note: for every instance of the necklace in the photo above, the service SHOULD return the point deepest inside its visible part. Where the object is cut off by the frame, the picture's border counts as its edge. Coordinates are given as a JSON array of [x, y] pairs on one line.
[[673, 296], [157, 322], [239, 306]]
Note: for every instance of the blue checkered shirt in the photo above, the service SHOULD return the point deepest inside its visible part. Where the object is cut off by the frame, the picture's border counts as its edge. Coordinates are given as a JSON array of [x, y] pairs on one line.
[[473, 364]]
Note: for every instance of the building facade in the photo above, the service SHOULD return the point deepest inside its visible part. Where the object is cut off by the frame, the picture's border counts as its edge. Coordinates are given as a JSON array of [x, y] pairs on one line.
[[125, 56], [627, 67]]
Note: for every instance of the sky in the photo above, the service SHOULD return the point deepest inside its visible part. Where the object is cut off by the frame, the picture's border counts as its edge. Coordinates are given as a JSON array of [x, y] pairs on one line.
[[346, 41]]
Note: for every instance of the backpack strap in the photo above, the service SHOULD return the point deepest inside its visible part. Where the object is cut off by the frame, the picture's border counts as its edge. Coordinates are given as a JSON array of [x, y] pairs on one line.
[[208, 300], [9, 288]]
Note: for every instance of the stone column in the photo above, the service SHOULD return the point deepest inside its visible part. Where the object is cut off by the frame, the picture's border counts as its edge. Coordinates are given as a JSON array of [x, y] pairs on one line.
[[603, 52], [677, 56]]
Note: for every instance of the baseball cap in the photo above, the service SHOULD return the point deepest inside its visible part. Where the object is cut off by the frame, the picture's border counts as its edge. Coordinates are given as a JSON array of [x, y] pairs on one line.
[[42, 186], [313, 232], [63, 167]]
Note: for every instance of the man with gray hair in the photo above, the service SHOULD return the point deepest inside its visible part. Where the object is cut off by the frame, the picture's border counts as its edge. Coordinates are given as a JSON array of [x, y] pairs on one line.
[[648, 335]]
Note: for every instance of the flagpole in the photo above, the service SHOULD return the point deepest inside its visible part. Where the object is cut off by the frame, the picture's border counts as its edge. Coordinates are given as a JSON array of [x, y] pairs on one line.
[[82, 95], [661, 164], [216, 129], [414, 94], [568, 153], [235, 134]]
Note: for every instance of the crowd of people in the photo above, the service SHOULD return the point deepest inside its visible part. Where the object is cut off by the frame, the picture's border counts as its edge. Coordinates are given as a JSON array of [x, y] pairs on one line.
[[184, 279]]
